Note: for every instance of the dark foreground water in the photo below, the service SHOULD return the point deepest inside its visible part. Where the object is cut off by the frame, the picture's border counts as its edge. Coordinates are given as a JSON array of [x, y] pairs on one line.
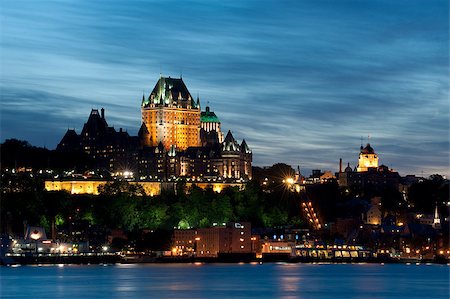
[[226, 281]]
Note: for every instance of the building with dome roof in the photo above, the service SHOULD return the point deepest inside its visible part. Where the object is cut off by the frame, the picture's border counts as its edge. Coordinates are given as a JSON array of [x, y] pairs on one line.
[[367, 158], [211, 123], [367, 173]]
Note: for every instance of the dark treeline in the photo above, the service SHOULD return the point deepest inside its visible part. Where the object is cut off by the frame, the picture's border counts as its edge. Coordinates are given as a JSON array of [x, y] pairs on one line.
[[18, 153], [120, 205]]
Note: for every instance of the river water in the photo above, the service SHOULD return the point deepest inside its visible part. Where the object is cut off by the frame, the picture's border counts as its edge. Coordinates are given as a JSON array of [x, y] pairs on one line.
[[226, 281]]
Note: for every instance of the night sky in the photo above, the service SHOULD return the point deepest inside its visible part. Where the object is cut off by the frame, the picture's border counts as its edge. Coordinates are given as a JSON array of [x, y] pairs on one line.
[[301, 81]]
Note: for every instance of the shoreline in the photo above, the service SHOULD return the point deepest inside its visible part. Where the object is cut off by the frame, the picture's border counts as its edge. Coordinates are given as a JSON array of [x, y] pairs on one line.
[[94, 259]]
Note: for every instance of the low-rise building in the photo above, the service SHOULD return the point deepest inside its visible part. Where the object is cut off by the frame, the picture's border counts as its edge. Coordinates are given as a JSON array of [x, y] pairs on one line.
[[232, 238]]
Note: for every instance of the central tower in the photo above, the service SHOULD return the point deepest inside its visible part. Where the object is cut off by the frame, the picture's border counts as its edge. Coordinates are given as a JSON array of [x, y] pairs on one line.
[[170, 115], [367, 159]]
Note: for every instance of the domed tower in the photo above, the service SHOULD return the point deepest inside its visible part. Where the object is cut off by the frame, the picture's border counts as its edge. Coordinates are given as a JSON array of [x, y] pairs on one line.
[[367, 159], [210, 122], [171, 115]]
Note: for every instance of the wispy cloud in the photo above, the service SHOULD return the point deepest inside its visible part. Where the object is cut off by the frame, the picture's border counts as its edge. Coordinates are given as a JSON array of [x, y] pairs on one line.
[[301, 81]]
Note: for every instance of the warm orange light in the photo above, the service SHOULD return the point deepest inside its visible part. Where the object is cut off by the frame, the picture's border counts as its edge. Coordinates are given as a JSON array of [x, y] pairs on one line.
[[35, 235]]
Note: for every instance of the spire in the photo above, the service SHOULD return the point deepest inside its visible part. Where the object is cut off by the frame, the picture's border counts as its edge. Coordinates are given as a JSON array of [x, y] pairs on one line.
[[172, 151], [230, 144], [143, 130], [244, 147], [437, 219]]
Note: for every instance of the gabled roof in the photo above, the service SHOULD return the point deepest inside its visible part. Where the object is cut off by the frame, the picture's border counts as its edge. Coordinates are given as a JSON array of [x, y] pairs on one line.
[[244, 147], [170, 91], [230, 144], [70, 141], [95, 123], [143, 130]]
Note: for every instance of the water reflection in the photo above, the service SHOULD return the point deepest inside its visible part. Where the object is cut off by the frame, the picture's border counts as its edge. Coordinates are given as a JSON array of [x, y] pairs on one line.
[[226, 281]]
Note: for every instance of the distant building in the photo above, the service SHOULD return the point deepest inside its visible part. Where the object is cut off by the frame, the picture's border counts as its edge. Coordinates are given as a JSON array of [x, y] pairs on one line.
[[373, 215], [436, 219], [368, 173], [367, 159]]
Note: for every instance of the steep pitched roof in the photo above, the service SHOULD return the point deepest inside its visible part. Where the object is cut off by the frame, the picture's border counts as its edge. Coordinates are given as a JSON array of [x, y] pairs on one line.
[[170, 91], [230, 144], [70, 141], [143, 130], [95, 124], [244, 147]]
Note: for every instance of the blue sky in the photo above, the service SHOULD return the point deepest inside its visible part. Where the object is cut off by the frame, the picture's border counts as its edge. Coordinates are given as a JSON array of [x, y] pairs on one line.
[[301, 81]]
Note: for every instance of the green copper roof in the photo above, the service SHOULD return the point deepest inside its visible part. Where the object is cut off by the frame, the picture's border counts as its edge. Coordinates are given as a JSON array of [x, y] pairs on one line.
[[209, 116]]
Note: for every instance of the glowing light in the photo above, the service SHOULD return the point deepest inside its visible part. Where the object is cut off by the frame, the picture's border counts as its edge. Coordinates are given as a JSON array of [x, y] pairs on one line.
[[290, 181], [35, 235]]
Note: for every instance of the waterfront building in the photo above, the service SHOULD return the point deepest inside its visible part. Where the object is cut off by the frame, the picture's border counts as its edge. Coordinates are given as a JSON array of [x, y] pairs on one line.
[[230, 238]]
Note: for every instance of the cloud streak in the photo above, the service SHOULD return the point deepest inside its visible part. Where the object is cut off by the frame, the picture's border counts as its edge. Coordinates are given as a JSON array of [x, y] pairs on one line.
[[301, 81]]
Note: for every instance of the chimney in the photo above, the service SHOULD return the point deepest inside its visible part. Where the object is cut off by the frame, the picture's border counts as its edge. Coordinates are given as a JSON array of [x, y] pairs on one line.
[[340, 165], [103, 113]]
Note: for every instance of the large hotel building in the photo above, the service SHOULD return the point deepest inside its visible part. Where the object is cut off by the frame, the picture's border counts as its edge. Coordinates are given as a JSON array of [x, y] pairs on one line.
[[176, 139]]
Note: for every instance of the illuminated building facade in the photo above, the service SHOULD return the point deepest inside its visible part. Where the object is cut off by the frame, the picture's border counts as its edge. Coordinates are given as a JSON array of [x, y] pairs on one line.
[[170, 116], [367, 159], [176, 139], [210, 126], [232, 238], [368, 173]]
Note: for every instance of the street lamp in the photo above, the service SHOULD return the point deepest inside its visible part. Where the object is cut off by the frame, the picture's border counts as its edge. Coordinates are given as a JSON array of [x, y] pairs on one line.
[[35, 235]]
